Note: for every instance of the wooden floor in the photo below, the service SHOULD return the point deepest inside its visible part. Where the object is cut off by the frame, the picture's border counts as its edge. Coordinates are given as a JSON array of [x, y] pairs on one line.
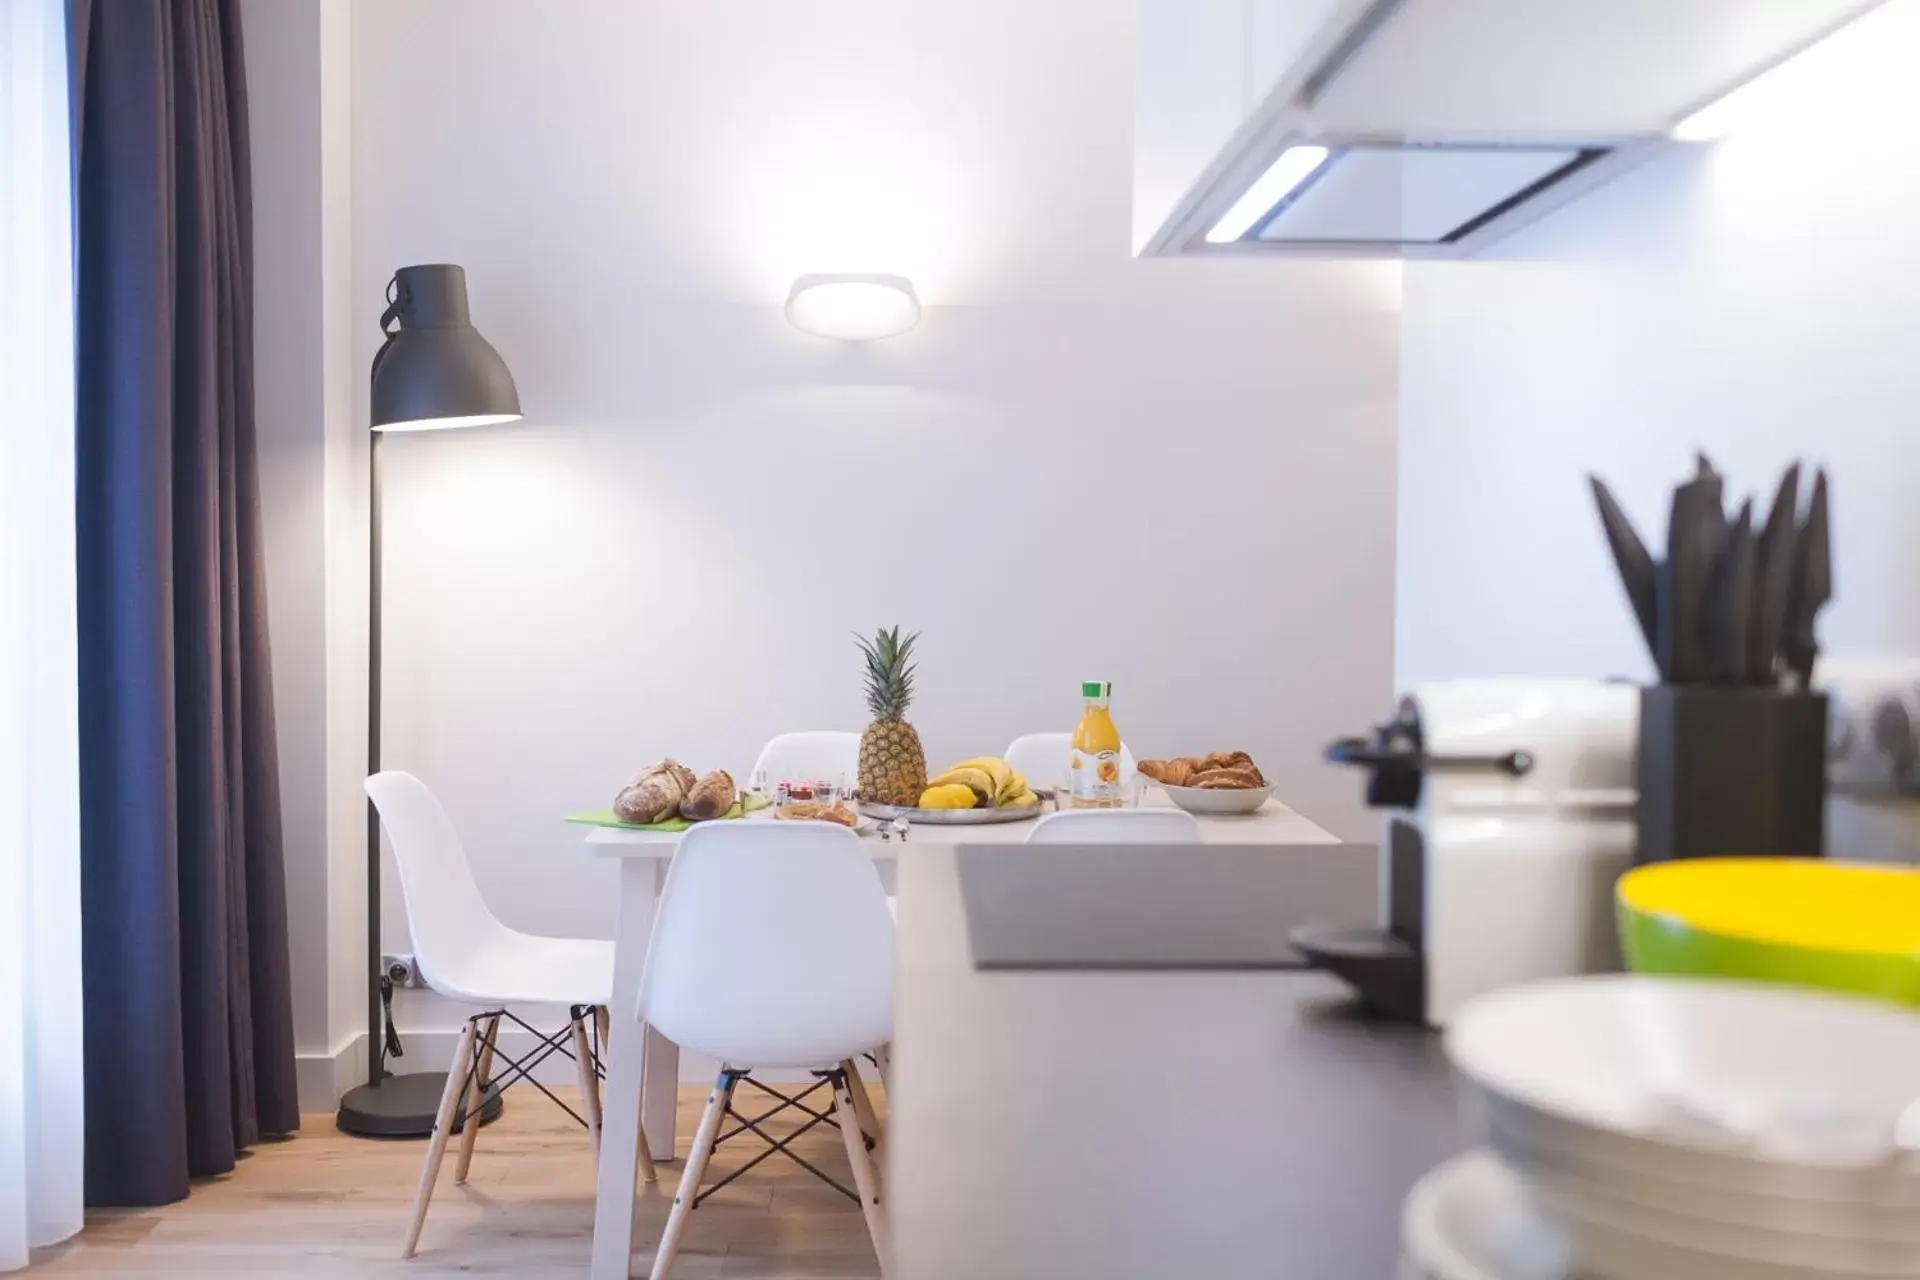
[[324, 1204]]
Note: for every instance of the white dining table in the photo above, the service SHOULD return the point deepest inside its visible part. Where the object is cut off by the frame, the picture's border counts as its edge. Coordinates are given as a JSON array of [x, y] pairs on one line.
[[642, 1087]]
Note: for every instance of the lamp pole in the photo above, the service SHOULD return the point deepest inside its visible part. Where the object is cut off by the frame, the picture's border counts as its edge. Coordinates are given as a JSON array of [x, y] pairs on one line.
[[377, 989]]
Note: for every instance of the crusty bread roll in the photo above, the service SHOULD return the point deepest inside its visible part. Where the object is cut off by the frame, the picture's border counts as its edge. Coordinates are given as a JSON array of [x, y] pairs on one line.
[[655, 793], [712, 796]]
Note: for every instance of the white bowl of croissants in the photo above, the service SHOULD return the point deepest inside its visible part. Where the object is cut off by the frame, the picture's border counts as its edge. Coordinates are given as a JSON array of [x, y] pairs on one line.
[[668, 790], [1223, 782]]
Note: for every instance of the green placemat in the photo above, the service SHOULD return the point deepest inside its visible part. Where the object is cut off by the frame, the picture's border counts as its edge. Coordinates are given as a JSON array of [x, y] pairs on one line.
[[605, 818]]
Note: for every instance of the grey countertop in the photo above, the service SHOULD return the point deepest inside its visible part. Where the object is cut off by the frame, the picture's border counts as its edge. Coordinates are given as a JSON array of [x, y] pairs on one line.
[[1213, 1124]]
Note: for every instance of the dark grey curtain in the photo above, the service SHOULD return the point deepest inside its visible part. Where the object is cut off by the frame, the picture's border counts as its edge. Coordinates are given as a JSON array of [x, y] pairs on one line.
[[189, 1034]]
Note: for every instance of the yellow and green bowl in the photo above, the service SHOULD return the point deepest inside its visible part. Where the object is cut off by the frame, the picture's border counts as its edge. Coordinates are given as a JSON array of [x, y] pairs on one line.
[[1806, 921]]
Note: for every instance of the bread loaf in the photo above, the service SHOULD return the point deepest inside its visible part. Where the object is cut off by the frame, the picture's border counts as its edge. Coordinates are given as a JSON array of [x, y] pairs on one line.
[[682, 775], [1238, 779], [712, 796], [655, 794]]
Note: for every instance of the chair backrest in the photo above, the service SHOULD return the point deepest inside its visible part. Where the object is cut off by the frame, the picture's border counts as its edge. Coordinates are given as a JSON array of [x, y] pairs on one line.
[[810, 756], [448, 918], [1116, 826], [1042, 757], [772, 946]]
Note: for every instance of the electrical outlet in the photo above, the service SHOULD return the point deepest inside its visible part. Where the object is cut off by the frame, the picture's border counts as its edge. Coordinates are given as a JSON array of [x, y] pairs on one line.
[[403, 971], [1873, 725]]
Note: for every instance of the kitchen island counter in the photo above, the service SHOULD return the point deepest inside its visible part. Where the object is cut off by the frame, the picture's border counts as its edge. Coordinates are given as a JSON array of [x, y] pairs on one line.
[[1119, 1124]]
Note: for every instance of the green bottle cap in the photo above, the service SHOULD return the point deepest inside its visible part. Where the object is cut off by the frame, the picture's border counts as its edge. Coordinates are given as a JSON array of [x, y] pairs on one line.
[[1095, 689]]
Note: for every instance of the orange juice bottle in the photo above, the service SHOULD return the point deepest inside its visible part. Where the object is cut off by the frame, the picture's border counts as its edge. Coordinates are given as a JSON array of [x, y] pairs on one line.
[[1093, 767]]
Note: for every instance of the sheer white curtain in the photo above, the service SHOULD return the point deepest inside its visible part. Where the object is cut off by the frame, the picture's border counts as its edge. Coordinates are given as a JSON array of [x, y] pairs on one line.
[[41, 1147]]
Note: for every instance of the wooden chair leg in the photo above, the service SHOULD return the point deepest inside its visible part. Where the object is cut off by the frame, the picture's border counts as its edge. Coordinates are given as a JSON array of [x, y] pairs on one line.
[[865, 1181], [695, 1169], [442, 1124], [589, 1083], [603, 1021], [476, 1096], [649, 1172], [863, 1107], [883, 1062]]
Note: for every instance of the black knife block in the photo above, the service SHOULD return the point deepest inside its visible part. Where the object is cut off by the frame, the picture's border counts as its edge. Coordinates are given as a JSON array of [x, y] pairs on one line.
[[1727, 771]]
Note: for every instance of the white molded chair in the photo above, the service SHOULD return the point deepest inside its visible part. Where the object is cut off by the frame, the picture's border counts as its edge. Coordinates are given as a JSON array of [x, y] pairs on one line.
[[1042, 757], [812, 756], [467, 954], [772, 947], [816, 754], [1116, 826]]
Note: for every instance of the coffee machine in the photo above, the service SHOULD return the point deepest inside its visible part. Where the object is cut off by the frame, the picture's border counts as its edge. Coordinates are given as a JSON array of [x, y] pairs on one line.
[[1509, 815]]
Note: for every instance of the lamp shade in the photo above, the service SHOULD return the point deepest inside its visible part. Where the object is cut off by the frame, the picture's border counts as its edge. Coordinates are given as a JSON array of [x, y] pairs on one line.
[[435, 370]]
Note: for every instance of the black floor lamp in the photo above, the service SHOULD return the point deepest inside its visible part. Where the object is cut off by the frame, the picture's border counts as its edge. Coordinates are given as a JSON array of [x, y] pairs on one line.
[[434, 371]]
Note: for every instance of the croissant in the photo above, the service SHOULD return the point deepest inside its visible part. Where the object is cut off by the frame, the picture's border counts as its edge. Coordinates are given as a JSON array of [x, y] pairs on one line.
[[1156, 769], [655, 793], [1169, 773], [712, 796]]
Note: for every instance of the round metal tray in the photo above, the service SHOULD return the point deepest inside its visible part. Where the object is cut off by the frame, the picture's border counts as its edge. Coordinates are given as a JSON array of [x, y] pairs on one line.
[[952, 817]]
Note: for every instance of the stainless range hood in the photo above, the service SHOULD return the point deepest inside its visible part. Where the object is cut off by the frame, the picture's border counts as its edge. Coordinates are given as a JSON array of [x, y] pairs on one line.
[[1420, 128]]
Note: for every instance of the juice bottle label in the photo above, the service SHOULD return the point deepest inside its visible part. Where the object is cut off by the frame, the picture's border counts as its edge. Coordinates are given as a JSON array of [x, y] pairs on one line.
[[1093, 779]]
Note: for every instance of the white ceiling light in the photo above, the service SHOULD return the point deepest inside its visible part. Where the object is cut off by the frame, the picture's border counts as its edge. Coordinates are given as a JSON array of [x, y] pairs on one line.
[[856, 308], [1295, 166], [1802, 78]]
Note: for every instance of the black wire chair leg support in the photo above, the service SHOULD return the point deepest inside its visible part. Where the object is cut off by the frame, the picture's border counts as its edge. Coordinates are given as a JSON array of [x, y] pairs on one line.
[[834, 1079], [797, 1101], [518, 1069]]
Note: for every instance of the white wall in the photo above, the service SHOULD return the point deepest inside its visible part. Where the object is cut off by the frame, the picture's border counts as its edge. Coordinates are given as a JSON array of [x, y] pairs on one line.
[[298, 72], [283, 101], [1759, 299], [670, 554]]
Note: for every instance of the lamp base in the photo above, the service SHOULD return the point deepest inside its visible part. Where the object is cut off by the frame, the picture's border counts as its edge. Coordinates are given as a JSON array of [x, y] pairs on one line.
[[404, 1107]]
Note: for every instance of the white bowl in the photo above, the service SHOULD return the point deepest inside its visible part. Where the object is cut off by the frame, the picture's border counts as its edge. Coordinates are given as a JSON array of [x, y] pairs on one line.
[[1714, 1077], [1218, 800]]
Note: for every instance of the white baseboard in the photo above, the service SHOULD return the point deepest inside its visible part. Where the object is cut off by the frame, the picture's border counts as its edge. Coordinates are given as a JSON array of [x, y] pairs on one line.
[[323, 1076]]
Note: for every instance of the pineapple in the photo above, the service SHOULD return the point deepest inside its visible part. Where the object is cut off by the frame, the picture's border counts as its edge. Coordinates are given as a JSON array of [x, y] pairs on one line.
[[893, 768]]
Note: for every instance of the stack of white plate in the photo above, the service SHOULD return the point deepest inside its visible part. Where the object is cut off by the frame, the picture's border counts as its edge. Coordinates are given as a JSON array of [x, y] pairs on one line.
[[1705, 1130]]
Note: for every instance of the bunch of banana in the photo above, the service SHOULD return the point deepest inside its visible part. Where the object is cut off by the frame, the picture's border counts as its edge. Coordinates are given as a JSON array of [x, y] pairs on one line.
[[984, 783]]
